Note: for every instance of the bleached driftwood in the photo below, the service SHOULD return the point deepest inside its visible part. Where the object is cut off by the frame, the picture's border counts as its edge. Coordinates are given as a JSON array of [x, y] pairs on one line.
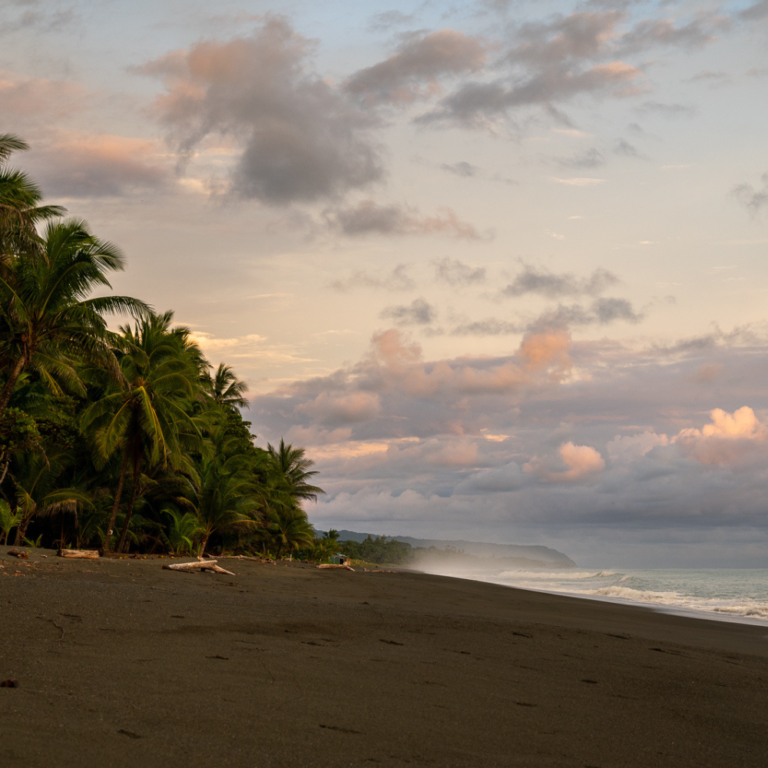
[[22, 553], [79, 554], [199, 565], [336, 565], [250, 557]]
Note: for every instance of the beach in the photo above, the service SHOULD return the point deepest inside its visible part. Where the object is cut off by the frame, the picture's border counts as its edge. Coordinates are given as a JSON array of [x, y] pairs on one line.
[[122, 663]]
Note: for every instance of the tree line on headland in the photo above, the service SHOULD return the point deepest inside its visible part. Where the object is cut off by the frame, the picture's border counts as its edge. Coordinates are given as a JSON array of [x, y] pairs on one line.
[[124, 440]]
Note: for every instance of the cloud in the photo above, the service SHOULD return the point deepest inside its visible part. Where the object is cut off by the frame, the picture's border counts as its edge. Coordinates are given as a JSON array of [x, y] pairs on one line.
[[489, 327], [381, 22], [755, 12], [100, 166], [709, 77], [727, 439], [339, 409], [602, 311], [396, 280], [580, 462], [412, 73], [624, 148], [474, 104], [754, 200], [38, 21], [650, 33], [606, 310], [457, 273], [626, 449], [296, 138], [418, 312], [370, 218], [28, 98], [666, 110], [462, 168], [553, 285], [580, 182], [548, 62], [591, 158], [612, 435]]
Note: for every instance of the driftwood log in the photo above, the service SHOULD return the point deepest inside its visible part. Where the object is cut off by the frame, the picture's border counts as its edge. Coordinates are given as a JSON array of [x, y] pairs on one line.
[[198, 565], [335, 565], [22, 553], [79, 554]]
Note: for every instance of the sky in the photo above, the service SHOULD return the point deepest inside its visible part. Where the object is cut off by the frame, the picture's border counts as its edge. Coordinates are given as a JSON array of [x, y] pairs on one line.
[[499, 266]]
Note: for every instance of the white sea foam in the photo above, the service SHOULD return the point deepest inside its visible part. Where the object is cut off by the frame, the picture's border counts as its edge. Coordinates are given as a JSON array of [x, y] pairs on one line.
[[736, 594], [554, 575], [638, 595]]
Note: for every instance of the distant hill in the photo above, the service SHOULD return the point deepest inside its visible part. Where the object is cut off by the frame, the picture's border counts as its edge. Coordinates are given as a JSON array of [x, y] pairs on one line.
[[531, 556]]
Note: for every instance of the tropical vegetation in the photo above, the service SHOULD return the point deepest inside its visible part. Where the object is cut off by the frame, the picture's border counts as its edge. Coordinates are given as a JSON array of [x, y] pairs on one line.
[[124, 439]]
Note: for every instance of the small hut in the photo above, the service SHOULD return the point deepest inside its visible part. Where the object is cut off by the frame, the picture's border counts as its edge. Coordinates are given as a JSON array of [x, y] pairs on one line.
[[339, 559]]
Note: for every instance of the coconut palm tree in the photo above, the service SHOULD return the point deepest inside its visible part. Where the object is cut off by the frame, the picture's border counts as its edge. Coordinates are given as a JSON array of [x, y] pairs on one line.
[[20, 209], [47, 321], [225, 497], [224, 388], [291, 469], [290, 529], [145, 417], [35, 479]]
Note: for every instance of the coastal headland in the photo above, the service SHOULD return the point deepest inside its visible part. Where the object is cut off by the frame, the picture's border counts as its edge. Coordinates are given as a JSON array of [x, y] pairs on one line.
[[122, 663]]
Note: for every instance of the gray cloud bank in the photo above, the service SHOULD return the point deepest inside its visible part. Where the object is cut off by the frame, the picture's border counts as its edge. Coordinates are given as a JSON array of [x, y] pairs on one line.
[[588, 442]]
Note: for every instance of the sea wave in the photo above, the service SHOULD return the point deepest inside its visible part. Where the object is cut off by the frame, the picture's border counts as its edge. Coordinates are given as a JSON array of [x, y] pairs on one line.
[[727, 594], [638, 595], [755, 611], [555, 575]]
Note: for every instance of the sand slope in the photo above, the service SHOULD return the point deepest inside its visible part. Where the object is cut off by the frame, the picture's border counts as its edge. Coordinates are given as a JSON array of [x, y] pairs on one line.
[[121, 663]]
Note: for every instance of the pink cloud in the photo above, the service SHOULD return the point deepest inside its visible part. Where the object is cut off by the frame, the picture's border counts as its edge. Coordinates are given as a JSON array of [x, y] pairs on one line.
[[86, 165], [342, 408], [727, 440], [580, 461], [28, 98]]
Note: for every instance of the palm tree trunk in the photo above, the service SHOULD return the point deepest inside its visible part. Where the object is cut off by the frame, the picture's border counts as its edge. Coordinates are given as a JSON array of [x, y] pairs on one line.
[[136, 475], [21, 531], [13, 376], [202, 546], [118, 494]]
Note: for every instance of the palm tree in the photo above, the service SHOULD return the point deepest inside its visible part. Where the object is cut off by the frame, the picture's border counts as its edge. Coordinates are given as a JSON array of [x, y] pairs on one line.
[[35, 479], [290, 528], [292, 468], [8, 520], [226, 495], [20, 211], [224, 388], [47, 322], [146, 416]]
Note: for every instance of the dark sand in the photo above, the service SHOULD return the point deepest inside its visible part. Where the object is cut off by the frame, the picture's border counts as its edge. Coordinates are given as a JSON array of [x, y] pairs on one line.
[[121, 663]]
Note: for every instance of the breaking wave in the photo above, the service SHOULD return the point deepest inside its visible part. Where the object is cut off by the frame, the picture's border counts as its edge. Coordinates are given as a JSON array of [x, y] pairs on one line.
[[734, 594]]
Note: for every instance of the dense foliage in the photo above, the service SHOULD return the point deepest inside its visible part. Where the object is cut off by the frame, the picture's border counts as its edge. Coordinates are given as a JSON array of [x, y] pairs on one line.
[[379, 550], [124, 440]]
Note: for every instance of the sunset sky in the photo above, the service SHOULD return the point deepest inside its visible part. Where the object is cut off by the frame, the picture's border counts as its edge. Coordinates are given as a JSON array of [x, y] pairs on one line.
[[500, 266]]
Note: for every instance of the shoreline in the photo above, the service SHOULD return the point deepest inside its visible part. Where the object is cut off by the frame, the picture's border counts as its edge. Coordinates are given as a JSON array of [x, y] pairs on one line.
[[119, 661], [667, 608]]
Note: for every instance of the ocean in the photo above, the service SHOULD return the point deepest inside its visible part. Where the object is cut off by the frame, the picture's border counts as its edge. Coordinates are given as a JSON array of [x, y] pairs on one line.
[[725, 594]]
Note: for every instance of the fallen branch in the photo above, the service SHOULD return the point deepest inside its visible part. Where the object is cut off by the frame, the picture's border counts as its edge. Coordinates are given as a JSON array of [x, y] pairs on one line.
[[250, 557], [201, 565], [22, 553], [335, 565], [79, 554]]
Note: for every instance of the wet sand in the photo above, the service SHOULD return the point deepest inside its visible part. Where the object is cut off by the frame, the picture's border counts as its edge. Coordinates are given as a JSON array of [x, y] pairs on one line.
[[121, 663]]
